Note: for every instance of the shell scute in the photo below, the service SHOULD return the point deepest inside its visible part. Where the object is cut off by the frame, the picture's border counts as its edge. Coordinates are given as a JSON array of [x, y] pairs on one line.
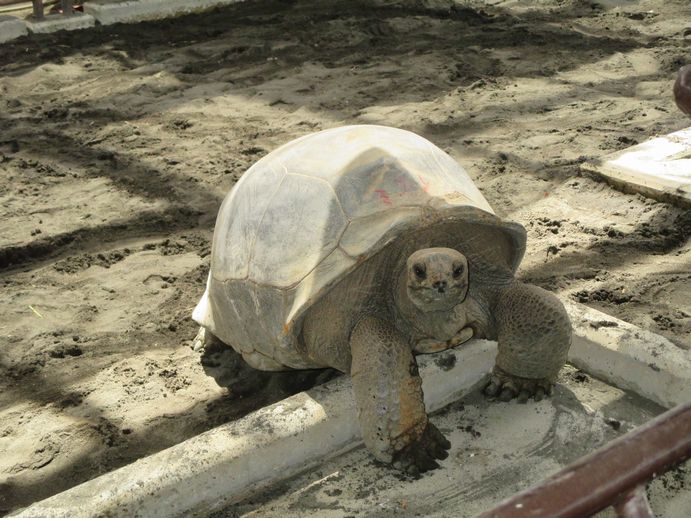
[[302, 227], [238, 222]]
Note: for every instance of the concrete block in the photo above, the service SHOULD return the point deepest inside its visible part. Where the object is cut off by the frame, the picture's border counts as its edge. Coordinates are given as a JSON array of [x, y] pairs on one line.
[[659, 168], [108, 12], [629, 357], [11, 28], [225, 464], [58, 22]]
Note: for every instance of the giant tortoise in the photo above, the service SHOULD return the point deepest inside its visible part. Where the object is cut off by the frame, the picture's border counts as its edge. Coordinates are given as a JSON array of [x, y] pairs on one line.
[[358, 247]]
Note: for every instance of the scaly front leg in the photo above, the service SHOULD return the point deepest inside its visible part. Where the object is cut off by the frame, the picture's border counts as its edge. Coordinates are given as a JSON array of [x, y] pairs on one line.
[[534, 336], [388, 394]]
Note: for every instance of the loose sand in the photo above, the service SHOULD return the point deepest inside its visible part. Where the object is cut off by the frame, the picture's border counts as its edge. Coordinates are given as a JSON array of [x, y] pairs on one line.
[[117, 145]]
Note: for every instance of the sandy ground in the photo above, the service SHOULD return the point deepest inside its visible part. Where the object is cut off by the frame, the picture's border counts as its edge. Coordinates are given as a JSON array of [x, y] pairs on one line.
[[118, 144]]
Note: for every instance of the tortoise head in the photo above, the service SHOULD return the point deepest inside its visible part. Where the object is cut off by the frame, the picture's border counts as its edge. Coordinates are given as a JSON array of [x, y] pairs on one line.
[[437, 278]]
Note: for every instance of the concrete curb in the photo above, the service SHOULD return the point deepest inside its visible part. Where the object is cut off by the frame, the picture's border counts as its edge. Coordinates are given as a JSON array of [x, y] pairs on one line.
[[629, 357], [227, 463], [11, 28], [105, 12], [58, 22], [109, 12]]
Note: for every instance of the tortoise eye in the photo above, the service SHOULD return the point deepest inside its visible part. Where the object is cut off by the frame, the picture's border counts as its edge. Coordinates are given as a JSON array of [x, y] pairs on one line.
[[419, 271], [457, 272]]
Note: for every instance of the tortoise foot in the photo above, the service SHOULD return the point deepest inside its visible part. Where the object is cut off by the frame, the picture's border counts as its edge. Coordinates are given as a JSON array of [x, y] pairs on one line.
[[198, 342], [419, 457], [505, 387], [203, 340]]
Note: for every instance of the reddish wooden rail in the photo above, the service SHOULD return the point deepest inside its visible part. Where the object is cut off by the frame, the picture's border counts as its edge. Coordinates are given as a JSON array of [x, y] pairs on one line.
[[613, 475]]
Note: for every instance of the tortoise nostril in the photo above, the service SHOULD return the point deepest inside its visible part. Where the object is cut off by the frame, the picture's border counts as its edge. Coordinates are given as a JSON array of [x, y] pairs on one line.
[[440, 286]]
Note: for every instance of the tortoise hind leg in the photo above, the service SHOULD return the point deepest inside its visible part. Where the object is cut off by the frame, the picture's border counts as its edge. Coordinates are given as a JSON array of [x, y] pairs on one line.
[[388, 395], [205, 341], [534, 336]]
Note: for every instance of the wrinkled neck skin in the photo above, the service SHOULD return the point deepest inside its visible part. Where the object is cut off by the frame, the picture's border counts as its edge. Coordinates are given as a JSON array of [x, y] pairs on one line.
[[476, 311], [441, 324]]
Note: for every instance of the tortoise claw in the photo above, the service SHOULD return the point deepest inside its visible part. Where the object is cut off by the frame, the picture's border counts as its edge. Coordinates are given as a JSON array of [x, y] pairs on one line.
[[505, 387], [507, 394], [419, 457], [200, 340], [492, 389]]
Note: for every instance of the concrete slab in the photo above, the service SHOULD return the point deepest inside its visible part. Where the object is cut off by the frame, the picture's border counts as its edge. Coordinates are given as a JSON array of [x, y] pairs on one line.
[[629, 357], [523, 443], [58, 22], [108, 12], [11, 28], [659, 168]]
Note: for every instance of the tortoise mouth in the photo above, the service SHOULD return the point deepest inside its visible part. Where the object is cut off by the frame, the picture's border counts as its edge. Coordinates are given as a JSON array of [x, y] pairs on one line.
[[435, 297]]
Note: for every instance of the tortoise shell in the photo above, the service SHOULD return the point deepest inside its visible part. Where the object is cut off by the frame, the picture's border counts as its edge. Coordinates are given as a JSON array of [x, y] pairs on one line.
[[307, 214]]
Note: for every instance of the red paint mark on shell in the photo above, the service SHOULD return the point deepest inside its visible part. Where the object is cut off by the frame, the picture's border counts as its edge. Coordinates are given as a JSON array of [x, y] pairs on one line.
[[383, 196], [424, 183]]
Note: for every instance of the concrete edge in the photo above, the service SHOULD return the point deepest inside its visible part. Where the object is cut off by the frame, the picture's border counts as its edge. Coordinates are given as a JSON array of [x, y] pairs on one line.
[[105, 13], [230, 462], [11, 28], [654, 168], [631, 185], [58, 22], [629, 357], [140, 10]]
